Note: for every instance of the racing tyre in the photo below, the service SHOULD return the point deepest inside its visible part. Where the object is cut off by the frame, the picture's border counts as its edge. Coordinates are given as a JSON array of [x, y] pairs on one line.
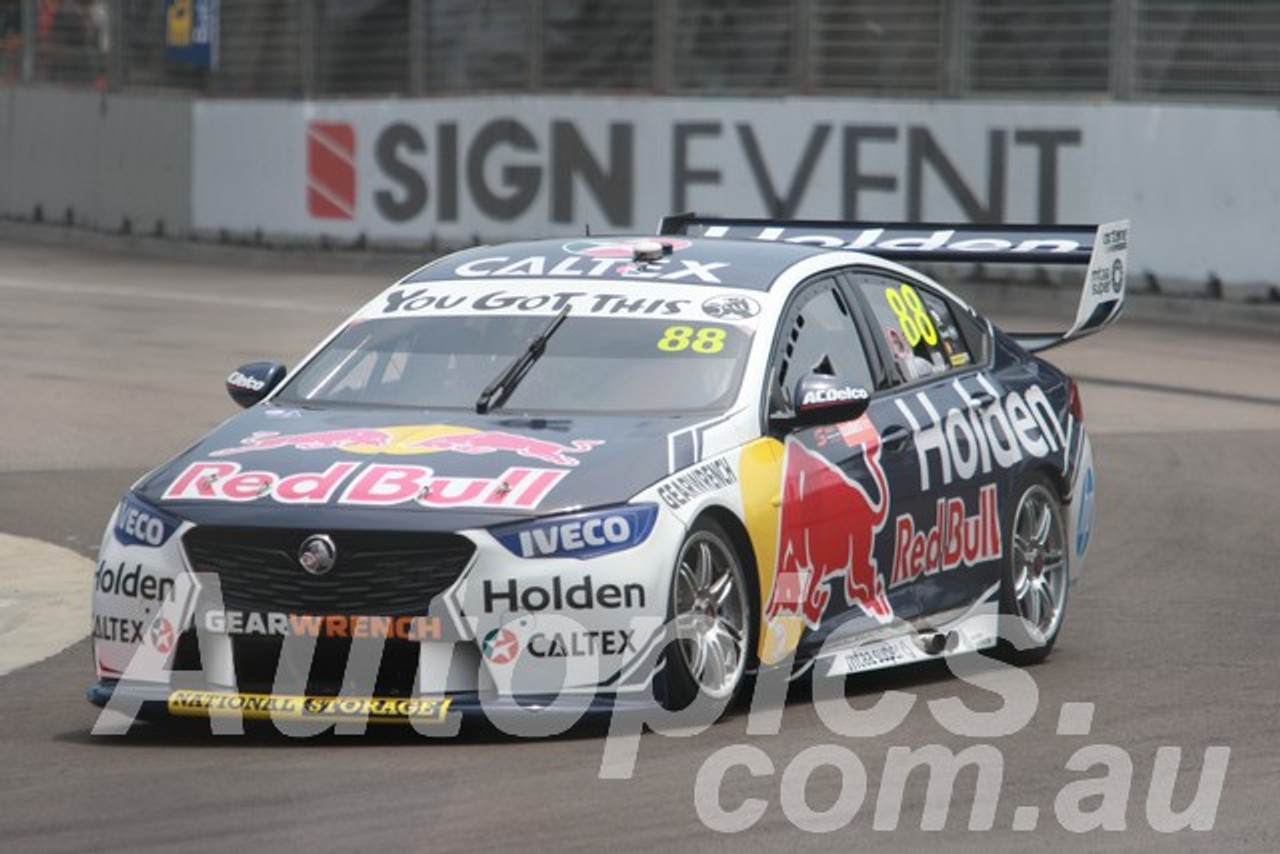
[[710, 611], [1034, 584]]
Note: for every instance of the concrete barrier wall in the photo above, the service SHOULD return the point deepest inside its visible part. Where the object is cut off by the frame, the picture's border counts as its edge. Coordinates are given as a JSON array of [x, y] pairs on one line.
[[1198, 183], [97, 161]]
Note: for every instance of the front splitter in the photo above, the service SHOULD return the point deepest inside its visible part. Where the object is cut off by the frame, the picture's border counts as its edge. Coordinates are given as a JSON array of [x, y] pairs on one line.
[[525, 715]]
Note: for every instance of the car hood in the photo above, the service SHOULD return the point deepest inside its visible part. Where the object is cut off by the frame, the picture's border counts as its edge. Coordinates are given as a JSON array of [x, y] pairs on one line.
[[393, 469]]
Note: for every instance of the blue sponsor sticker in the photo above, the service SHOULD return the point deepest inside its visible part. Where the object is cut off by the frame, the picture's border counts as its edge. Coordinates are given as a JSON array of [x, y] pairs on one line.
[[1084, 517], [138, 524], [580, 536]]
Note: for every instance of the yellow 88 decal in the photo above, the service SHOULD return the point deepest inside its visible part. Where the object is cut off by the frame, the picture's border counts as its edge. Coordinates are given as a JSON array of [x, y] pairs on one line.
[[705, 339], [914, 321]]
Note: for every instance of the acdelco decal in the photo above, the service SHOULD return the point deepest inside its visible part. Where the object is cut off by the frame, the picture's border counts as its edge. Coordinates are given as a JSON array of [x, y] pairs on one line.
[[688, 485], [955, 540], [831, 396], [375, 485], [974, 439]]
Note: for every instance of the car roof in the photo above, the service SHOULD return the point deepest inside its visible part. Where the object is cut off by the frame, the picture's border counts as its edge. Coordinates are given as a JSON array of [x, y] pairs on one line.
[[753, 265]]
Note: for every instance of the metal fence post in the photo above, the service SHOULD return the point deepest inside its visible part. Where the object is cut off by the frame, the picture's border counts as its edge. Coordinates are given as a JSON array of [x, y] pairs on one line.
[[417, 47], [1124, 46], [802, 46], [29, 35], [663, 46], [955, 65], [536, 45], [309, 49], [116, 10]]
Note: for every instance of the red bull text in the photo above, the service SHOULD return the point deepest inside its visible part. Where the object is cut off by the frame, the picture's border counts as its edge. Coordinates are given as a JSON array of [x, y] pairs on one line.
[[376, 485]]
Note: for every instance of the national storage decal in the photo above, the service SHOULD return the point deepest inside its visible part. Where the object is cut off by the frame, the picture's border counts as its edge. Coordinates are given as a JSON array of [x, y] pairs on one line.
[[468, 168]]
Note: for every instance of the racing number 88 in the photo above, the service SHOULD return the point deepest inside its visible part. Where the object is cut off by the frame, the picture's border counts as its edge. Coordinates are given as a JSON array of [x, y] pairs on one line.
[[708, 339], [912, 317]]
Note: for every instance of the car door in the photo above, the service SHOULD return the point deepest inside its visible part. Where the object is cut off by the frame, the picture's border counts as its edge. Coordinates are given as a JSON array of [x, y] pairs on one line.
[[834, 532], [945, 525]]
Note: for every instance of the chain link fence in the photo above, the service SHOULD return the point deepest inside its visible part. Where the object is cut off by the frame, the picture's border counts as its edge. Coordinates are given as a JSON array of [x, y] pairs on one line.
[[1121, 49]]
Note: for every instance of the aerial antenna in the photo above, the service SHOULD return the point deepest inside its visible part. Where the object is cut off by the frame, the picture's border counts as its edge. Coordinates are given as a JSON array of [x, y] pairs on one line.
[[587, 228]]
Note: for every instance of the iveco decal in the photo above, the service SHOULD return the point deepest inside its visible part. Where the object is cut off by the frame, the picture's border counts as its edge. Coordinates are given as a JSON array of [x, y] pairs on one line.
[[140, 525], [582, 536]]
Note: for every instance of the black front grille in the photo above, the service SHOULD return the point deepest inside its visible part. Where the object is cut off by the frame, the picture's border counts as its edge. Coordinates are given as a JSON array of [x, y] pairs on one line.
[[376, 572], [257, 666]]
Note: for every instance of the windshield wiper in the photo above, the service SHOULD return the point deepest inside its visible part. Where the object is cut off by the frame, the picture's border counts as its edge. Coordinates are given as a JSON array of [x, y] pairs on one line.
[[501, 388]]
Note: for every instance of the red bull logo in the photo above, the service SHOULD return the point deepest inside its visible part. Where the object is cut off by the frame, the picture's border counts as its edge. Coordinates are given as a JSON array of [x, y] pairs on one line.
[[523, 446], [418, 439], [827, 529]]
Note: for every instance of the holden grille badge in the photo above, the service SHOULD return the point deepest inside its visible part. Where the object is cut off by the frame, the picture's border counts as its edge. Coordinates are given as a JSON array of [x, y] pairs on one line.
[[317, 554]]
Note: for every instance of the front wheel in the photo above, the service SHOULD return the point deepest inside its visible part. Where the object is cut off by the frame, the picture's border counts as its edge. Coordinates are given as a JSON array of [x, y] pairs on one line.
[[711, 615], [1033, 590]]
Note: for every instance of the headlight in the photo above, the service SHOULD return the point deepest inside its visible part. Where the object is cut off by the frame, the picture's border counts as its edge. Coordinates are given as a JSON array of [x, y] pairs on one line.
[[580, 535]]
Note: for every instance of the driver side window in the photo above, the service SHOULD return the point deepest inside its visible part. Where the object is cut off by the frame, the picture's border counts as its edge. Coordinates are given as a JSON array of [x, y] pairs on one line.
[[819, 336]]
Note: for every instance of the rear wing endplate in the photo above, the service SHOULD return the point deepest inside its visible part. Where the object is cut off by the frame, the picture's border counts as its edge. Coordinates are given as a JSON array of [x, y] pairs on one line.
[[1104, 248]]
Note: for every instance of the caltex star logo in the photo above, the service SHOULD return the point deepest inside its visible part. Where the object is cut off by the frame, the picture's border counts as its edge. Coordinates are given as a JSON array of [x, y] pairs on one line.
[[162, 635], [501, 646]]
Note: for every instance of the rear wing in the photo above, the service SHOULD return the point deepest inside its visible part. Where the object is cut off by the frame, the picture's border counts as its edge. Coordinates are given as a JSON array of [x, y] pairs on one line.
[[1103, 248]]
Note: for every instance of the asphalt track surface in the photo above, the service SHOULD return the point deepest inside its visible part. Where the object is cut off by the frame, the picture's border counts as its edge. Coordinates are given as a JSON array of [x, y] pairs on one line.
[[111, 364]]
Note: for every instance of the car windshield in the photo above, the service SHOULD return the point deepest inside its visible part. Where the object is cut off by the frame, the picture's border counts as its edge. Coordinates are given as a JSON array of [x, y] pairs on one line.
[[591, 364]]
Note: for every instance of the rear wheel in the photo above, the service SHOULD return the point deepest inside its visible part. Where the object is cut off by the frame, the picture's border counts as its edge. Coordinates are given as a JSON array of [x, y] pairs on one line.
[[711, 615], [1034, 586]]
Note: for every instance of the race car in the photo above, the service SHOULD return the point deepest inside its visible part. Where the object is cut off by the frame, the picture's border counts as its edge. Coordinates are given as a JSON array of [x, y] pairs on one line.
[[619, 472]]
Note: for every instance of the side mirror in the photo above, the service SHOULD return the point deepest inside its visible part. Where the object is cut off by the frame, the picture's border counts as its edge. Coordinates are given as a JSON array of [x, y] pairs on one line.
[[250, 383], [824, 399]]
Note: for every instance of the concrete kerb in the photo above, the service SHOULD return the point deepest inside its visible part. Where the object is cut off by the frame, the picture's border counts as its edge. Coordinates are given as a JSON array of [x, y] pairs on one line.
[[44, 600]]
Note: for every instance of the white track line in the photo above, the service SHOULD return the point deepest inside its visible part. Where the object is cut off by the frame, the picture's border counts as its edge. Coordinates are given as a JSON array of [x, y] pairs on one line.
[[127, 293]]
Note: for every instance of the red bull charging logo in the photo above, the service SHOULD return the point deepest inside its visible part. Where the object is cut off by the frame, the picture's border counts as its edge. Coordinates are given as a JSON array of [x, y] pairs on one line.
[[827, 529], [418, 439]]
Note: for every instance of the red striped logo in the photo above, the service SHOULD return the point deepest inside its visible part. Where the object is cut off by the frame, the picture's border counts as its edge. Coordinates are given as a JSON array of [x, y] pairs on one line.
[[331, 170]]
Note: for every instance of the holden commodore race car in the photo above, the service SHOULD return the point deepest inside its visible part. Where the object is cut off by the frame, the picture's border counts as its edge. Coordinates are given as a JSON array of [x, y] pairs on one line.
[[624, 472]]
